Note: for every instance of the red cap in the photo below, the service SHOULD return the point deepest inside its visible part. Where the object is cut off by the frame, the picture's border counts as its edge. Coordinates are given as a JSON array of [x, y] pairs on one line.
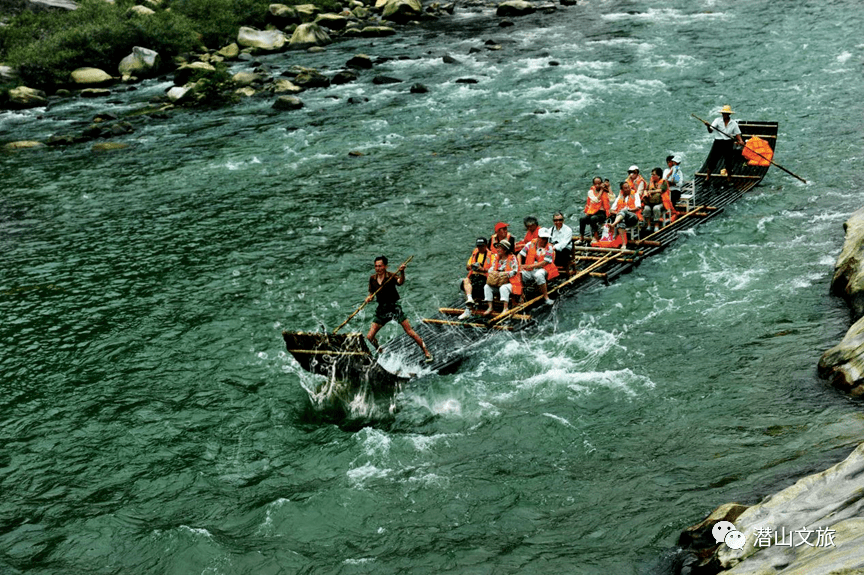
[[500, 225]]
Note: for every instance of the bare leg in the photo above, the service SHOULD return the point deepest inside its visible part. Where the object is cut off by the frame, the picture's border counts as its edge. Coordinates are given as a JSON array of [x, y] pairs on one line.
[[406, 325], [373, 331], [466, 284]]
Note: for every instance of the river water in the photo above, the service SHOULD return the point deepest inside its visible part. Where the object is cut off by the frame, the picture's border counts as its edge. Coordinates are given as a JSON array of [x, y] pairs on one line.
[[151, 421]]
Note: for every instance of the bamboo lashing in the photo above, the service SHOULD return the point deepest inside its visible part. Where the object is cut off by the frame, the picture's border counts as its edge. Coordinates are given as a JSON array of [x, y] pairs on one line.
[[365, 302], [326, 352], [459, 311], [465, 324], [772, 162]]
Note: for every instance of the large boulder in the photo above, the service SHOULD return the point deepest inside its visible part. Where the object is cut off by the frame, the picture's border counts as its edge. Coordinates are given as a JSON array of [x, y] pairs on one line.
[[91, 77], [263, 40], [512, 8], [140, 11], [848, 280], [377, 31], [24, 97], [308, 35], [843, 364], [184, 73], [283, 86], [282, 15], [360, 61], [402, 10], [331, 21], [23, 145], [311, 79], [229, 52], [141, 63], [828, 504], [243, 79], [307, 12]]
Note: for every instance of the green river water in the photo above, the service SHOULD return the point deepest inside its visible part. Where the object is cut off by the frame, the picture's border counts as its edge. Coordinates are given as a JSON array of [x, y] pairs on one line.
[[152, 423]]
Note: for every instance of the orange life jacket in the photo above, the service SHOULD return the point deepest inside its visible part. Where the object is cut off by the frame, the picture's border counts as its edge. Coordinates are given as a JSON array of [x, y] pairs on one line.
[[485, 260], [510, 263], [634, 184], [551, 269], [630, 204], [596, 201], [758, 152]]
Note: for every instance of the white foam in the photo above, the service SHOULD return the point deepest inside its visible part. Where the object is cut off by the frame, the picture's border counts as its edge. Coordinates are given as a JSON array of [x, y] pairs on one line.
[[559, 419], [359, 561], [843, 57], [375, 443], [359, 475]]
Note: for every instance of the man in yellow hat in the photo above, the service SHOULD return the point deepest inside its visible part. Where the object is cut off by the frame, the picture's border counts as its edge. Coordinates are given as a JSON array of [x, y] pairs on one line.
[[726, 135]]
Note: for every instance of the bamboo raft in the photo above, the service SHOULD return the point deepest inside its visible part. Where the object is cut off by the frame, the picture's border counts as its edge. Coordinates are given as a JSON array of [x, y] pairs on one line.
[[345, 357]]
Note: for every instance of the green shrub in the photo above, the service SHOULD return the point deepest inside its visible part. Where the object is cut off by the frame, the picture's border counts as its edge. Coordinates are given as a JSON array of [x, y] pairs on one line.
[[218, 21]]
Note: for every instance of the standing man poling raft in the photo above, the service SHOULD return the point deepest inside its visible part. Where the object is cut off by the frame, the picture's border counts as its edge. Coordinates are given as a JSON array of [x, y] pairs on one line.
[[382, 285], [726, 135]]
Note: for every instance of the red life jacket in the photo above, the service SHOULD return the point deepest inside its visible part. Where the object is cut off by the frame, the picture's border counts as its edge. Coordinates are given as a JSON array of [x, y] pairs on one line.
[[534, 251]]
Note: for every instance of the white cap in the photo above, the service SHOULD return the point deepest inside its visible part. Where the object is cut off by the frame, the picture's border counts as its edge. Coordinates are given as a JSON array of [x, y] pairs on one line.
[[676, 159], [544, 233], [633, 168]]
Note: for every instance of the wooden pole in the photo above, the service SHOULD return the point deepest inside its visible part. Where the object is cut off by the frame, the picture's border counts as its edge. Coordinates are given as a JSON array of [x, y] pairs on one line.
[[772, 162], [579, 275], [362, 305]]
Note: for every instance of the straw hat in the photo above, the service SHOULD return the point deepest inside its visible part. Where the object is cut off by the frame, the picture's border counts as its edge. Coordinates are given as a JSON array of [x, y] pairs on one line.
[[727, 109]]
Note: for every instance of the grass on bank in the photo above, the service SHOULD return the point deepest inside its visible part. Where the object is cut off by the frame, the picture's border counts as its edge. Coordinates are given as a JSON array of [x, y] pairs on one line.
[[46, 46]]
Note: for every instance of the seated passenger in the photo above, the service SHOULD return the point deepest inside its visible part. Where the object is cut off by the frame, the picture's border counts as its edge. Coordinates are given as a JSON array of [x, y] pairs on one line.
[[506, 266], [636, 181], [500, 234], [628, 212], [531, 227], [539, 262], [654, 200], [562, 241], [596, 210], [478, 265]]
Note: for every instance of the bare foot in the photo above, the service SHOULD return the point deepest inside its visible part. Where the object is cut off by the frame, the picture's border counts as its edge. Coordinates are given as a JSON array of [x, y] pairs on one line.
[[488, 311]]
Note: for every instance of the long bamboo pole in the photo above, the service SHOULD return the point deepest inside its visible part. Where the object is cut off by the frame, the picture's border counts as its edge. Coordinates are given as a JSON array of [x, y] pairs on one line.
[[362, 305]]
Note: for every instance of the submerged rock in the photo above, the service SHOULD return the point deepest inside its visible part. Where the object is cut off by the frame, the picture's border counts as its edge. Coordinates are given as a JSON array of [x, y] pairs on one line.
[[287, 103], [386, 80], [95, 92], [360, 61], [23, 145], [419, 88], [511, 8], [311, 79], [109, 146], [377, 31]]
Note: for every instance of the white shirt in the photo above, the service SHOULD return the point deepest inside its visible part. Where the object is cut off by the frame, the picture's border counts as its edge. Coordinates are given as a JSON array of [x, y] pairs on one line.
[[673, 177], [562, 239], [731, 128]]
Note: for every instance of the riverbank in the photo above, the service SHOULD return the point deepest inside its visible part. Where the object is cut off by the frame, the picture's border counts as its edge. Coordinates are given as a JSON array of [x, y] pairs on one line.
[[816, 526]]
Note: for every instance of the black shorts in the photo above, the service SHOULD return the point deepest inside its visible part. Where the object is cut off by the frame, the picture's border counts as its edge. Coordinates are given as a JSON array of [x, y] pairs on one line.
[[389, 311]]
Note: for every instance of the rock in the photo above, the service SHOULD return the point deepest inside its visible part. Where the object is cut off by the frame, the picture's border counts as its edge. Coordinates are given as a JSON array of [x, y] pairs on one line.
[[243, 79], [307, 12], [554, 63], [448, 59], [829, 501], [24, 97], [467, 81], [494, 47], [402, 10], [843, 364], [121, 129], [287, 103], [282, 15], [179, 94], [377, 31], [109, 146], [511, 8], [418, 88], [361, 12], [184, 73], [848, 280], [154, 4], [8, 74], [343, 77], [142, 63], [61, 140], [95, 92], [567, 2], [50, 5], [700, 536], [63, 93], [139, 11], [91, 77], [92, 131], [385, 80], [263, 40], [316, 49], [308, 35], [331, 21], [360, 61], [356, 100], [356, 154], [505, 23], [246, 91], [311, 79], [450, 7], [230, 51], [283, 86], [23, 145]]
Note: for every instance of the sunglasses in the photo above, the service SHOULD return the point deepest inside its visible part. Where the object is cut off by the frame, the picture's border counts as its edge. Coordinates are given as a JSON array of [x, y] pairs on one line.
[[557, 220]]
